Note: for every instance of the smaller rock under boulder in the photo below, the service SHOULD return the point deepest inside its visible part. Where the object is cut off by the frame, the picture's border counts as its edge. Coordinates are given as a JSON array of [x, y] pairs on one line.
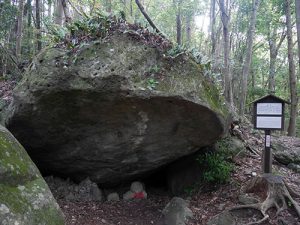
[[224, 218], [246, 199], [177, 212], [287, 151], [136, 191], [113, 197], [85, 191]]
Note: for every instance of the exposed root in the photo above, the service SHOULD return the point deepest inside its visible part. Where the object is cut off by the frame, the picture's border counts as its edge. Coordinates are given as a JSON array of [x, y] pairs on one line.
[[277, 194]]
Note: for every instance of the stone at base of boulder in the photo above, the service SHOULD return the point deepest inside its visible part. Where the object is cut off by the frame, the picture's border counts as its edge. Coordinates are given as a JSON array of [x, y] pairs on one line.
[[113, 197], [128, 195], [136, 187], [86, 191], [294, 167], [177, 212], [245, 199], [224, 218]]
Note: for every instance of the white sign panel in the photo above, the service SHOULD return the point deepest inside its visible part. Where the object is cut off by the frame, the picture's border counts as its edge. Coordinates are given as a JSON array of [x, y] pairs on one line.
[[268, 141], [269, 108], [268, 122]]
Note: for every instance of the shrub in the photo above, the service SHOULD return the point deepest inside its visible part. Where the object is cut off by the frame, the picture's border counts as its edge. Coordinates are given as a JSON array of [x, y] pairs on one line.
[[216, 169]]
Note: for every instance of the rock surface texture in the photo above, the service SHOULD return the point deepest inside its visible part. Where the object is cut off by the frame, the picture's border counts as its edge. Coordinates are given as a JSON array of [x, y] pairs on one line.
[[113, 110], [177, 212], [287, 151], [24, 196]]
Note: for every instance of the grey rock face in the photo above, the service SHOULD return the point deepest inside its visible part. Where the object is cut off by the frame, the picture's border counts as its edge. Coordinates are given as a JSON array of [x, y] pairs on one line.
[[287, 150], [25, 197], [95, 113], [177, 212]]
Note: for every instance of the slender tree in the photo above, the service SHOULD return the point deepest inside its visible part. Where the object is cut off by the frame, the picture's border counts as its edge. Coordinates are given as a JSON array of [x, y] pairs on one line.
[[178, 21], [213, 26], [273, 49], [189, 29], [226, 71], [66, 11], [292, 73], [58, 13], [38, 25], [297, 4], [19, 29], [247, 62]]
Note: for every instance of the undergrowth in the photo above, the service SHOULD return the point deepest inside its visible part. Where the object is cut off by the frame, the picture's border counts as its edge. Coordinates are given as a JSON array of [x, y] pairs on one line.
[[216, 169]]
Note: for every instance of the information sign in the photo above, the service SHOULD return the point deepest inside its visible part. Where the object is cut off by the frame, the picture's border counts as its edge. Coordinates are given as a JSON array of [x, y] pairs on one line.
[[268, 115]]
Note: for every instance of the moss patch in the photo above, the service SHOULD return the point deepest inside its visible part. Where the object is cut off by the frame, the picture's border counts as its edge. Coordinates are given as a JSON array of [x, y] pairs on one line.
[[24, 196]]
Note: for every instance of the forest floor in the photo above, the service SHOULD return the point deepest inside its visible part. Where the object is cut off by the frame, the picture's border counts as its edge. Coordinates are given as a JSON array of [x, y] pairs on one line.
[[204, 204]]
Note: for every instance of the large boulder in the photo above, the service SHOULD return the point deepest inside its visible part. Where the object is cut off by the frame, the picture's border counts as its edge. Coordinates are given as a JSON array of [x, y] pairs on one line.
[[24, 196], [114, 109]]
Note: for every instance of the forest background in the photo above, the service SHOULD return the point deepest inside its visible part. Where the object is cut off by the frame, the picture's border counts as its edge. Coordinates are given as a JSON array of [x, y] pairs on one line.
[[248, 47]]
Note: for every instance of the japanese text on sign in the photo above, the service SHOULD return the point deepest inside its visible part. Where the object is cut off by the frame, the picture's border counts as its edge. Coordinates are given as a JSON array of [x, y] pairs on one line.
[[269, 108]]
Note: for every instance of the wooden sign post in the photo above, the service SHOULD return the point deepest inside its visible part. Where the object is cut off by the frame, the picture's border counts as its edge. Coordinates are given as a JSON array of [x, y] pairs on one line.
[[268, 115]]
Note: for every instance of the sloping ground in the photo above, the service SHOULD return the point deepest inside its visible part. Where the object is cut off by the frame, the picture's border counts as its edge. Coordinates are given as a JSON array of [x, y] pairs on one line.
[[205, 202], [114, 109]]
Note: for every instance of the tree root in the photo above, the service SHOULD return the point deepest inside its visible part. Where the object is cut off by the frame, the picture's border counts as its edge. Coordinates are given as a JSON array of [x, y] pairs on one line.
[[278, 195]]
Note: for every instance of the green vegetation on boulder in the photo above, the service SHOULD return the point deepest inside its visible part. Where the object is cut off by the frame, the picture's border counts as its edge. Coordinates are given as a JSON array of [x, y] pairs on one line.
[[24, 196]]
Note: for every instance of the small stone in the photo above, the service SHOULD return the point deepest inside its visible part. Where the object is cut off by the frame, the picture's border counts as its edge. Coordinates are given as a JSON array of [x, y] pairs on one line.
[[96, 192], [21, 188], [4, 209], [113, 197], [177, 212], [247, 200], [128, 195], [221, 207], [70, 197], [136, 187], [254, 174]]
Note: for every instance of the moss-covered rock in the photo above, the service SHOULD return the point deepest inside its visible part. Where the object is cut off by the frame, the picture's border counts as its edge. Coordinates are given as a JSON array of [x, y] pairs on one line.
[[114, 109], [24, 196]]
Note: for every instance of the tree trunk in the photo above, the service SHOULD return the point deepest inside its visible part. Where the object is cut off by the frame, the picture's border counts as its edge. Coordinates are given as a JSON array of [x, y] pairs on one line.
[[297, 4], [292, 74], [178, 22], [147, 17], [248, 58], [58, 13], [226, 71], [19, 29], [66, 11], [212, 27], [38, 25], [49, 13], [108, 6], [274, 48], [29, 32], [189, 29]]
